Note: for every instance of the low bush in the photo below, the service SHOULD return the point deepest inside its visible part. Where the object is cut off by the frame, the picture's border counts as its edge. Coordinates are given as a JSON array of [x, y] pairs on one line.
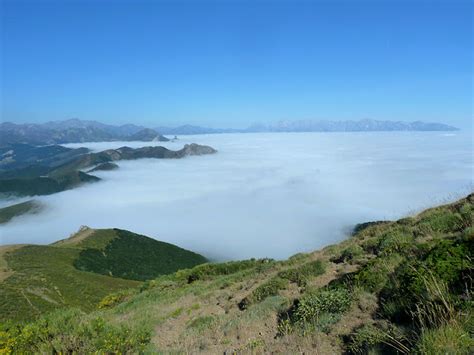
[[443, 221], [367, 338], [451, 261], [71, 331], [112, 300], [205, 271], [269, 288], [395, 241], [375, 274], [349, 254], [301, 274], [317, 310]]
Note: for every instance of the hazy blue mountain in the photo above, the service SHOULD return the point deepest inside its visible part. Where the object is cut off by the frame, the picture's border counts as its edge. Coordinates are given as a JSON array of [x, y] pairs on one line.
[[366, 125], [72, 131], [76, 131], [190, 129]]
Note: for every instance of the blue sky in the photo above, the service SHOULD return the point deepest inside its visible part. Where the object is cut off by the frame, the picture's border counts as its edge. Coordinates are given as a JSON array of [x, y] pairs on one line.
[[234, 63]]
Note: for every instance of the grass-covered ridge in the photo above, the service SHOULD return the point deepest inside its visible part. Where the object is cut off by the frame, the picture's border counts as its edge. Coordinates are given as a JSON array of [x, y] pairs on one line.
[[393, 287], [10, 212], [81, 270], [136, 257]]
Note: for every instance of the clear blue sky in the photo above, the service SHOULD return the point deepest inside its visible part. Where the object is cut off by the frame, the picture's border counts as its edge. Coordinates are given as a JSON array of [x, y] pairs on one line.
[[233, 63]]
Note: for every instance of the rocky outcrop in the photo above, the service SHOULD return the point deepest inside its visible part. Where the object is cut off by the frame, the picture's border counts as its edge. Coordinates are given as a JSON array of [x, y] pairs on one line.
[[196, 149]]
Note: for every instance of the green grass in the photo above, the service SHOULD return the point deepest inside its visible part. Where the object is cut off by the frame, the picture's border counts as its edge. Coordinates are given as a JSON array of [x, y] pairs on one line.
[[44, 185], [447, 339], [61, 333], [81, 272], [44, 278], [394, 287], [136, 257], [301, 274]]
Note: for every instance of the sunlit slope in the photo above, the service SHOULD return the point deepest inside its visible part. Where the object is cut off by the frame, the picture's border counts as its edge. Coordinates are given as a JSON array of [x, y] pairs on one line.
[[81, 270], [393, 286], [403, 286]]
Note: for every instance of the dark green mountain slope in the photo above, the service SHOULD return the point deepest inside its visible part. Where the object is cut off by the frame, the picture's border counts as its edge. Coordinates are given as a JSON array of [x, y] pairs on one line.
[[81, 270], [45, 185], [132, 256], [10, 212], [27, 170]]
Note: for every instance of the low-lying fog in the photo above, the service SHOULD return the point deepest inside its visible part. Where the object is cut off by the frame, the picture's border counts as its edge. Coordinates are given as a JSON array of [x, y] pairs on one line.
[[261, 195]]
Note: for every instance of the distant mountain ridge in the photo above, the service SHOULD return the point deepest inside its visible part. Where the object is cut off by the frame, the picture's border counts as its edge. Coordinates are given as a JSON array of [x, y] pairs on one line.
[[73, 131], [78, 131], [366, 125]]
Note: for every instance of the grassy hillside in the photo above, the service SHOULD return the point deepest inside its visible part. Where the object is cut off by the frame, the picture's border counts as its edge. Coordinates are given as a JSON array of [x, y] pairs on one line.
[[393, 287], [81, 270]]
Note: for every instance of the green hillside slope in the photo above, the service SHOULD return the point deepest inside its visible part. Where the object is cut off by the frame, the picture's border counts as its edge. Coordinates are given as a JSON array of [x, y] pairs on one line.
[[393, 287], [81, 270], [10, 212]]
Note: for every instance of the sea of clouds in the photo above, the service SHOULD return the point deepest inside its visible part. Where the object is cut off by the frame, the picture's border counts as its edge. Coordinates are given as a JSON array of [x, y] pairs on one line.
[[261, 195]]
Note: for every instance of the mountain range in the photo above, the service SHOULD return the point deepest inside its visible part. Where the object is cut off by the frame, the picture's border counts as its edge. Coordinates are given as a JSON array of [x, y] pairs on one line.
[[367, 125], [73, 131], [77, 131]]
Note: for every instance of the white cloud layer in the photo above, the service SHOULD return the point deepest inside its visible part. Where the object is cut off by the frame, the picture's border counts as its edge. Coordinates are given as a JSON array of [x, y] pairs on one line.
[[261, 195]]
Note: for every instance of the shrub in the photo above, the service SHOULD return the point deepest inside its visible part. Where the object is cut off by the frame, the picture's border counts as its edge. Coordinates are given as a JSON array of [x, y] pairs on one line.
[[468, 232], [375, 275], [450, 261], [112, 300], [318, 310], [366, 338], [467, 211], [442, 220], [396, 241], [300, 275], [333, 301], [371, 245], [269, 288], [205, 271], [349, 254], [379, 338]]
